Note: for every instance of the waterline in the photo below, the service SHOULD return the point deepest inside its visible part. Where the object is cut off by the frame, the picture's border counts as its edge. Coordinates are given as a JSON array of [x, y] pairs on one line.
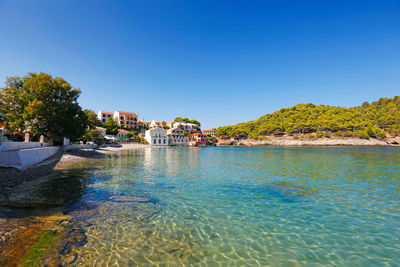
[[239, 206]]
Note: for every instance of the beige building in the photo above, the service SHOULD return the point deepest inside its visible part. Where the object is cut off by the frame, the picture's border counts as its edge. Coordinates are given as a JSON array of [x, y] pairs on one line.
[[144, 124], [126, 119], [170, 125], [155, 124], [177, 136]]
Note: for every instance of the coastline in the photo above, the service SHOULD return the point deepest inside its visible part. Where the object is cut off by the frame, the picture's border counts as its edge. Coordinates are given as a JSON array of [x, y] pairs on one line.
[[291, 142]]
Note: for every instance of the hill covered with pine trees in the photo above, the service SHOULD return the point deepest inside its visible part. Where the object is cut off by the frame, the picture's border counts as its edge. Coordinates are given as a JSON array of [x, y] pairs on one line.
[[374, 120]]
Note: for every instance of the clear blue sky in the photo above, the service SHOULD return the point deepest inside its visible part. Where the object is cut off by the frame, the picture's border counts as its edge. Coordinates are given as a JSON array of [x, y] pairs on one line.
[[220, 62]]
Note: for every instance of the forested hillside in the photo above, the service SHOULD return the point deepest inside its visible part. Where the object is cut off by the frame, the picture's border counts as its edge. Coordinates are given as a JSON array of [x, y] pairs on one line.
[[368, 120]]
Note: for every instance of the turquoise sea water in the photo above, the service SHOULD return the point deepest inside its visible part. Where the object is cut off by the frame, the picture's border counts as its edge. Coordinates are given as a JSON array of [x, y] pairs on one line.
[[238, 206]]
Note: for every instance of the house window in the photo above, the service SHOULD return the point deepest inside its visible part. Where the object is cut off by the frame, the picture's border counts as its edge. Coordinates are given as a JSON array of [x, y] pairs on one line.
[[122, 118], [104, 115], [159, 141], [164, 141], [155, 141]]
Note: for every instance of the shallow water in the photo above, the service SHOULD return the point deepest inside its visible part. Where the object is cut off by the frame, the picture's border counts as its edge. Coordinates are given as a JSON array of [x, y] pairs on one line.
[[238, 206]]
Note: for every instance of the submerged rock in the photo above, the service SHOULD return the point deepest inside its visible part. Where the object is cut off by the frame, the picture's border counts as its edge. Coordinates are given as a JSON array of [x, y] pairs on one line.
[[31, 201]]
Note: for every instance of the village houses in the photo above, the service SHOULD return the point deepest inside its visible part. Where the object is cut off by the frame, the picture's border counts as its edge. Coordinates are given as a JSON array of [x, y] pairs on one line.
[[158, 133]]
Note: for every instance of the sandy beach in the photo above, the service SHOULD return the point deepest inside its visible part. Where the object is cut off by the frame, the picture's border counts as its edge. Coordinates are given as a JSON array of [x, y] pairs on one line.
[[71, 157]]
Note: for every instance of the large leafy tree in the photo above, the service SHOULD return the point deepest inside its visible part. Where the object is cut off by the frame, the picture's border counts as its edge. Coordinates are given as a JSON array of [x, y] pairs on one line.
[[111, 126], [42, 105]]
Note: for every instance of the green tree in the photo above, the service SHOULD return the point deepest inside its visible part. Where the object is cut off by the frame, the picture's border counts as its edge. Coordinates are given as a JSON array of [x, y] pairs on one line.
[[129, 135], [180, 119], [374, 120], [42, 105], [92, 119], [111, 126], [195, 122]]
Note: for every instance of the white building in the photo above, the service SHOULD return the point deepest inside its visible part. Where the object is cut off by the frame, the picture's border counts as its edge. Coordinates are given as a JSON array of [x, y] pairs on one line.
[[210, 132], [190, 127], [177, 136], [157, 137], [103, 116]]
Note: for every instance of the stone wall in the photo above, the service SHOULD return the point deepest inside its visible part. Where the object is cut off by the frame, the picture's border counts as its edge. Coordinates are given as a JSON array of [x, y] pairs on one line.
[[25, 158]]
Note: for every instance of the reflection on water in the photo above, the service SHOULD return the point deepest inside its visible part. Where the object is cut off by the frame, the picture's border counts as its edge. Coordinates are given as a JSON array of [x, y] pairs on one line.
[[238, 206]]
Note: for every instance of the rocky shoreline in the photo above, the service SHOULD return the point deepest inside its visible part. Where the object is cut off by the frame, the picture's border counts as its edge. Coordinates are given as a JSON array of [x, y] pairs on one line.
[[290, 141], [24, 217]]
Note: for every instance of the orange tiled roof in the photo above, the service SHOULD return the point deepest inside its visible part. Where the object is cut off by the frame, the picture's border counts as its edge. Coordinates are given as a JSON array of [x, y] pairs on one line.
[[123, 131], [129, 113], [209, 130], [105, 111]]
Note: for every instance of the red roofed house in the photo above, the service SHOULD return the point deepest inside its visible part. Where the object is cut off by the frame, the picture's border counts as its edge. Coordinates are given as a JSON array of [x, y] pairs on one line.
[[144, 124], [198, 139], [210, 132], [122, 134], [126, 119]]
